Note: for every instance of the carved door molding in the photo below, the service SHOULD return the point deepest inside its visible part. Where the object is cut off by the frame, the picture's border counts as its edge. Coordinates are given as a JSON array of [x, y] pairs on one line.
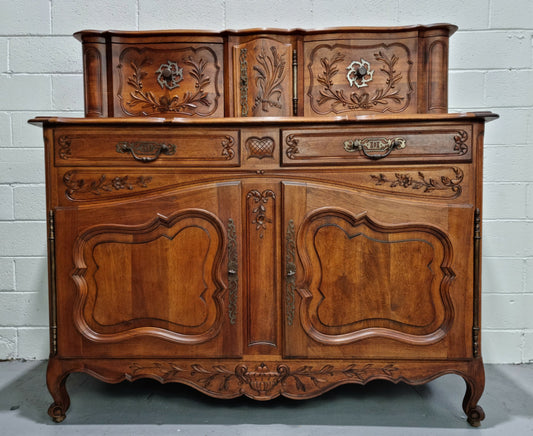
[[411, 305]]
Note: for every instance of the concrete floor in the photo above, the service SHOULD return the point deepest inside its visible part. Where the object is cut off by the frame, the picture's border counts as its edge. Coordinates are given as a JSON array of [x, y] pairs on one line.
[[149, 408]]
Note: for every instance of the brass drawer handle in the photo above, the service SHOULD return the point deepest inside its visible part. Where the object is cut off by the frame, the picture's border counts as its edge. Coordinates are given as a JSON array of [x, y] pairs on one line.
[[146, 151], [374, 148]]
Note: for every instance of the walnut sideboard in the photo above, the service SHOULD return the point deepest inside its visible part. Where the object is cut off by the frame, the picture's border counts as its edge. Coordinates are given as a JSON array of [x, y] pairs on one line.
[[265, 255]]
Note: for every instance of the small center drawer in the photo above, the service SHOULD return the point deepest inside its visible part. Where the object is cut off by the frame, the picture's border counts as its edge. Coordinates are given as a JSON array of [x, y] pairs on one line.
[[125, 147], [349, 146]]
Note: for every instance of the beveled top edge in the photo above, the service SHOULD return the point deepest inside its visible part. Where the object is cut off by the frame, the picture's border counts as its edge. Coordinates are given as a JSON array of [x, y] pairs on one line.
[[240, 121], [451, 28]]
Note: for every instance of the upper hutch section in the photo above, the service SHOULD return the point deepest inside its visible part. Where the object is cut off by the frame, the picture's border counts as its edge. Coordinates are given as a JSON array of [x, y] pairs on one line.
[[266, 72]]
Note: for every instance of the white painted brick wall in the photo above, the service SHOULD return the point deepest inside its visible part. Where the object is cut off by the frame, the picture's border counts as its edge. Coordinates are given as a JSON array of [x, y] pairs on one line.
[[29, 202], [3, 55], [5, 129], [8, 343], [6, 200], [25, 17], [31, 273], [69, 16], [7, 274], [491, 61], [185, 14]]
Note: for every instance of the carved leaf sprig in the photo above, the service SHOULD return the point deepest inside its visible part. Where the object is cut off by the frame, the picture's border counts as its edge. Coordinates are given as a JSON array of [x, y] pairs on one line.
[[211, 375], [326, 80], [270, 75], [77, 185], [423, 183], [201, 80], [316, 377], [167, 371], [354, 371]]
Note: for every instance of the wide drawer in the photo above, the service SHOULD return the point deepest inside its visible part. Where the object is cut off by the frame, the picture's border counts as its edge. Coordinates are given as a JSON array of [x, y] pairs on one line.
[[125, 147], [366, 145]]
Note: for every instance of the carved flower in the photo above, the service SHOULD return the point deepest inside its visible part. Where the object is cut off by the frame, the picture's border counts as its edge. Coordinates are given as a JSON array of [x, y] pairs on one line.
[[403, 180], [118, 183], [359, 73]]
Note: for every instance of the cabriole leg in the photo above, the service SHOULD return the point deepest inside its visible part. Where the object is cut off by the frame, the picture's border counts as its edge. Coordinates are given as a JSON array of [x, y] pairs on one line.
[[475, 384], [55, 380]]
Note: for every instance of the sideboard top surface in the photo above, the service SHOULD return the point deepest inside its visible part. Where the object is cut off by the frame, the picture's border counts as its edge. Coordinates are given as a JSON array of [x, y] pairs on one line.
[[449, 29], [266, 121]]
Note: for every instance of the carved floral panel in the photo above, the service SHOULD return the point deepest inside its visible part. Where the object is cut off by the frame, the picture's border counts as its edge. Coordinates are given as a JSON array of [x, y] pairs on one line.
[[181, 80], [263, 68], [344, 78]]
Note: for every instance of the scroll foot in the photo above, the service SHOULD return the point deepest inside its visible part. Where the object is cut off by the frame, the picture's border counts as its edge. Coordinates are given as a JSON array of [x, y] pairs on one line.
[[475, 416], [57, 412]]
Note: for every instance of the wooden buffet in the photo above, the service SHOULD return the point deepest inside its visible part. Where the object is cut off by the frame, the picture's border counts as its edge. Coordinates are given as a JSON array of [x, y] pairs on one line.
[[265, 213]]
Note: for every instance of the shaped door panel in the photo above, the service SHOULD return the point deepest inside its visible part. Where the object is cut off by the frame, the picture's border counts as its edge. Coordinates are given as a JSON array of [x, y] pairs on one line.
[[155, 272], [372, 277]]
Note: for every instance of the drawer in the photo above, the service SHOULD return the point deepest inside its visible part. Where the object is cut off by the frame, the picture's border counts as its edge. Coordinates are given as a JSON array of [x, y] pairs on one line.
[[358, 76], [176, 79], [349, 146], [127, 147]]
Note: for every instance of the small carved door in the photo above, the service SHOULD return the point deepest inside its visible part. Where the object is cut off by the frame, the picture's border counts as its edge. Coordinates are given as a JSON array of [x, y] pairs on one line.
[[151, 276], [374, 278], [263, 69]]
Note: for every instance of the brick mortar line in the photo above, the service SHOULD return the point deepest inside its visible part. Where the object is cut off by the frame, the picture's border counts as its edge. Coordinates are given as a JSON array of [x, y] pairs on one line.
[[515, 330]]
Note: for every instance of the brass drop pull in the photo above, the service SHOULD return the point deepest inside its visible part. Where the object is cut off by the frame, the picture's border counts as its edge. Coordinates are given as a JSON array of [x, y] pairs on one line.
[[374, 148], [146, 151]]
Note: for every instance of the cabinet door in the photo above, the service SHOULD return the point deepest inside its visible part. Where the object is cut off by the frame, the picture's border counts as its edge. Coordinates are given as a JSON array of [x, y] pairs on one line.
[[371, 276], [152, 276]]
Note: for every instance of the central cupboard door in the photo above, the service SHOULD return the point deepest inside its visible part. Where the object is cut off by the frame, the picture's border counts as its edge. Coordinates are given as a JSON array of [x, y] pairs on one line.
[[375, 277], [151, 276]]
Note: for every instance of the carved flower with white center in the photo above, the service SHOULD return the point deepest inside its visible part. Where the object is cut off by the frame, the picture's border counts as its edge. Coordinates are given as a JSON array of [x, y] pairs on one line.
[[359, 73]]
